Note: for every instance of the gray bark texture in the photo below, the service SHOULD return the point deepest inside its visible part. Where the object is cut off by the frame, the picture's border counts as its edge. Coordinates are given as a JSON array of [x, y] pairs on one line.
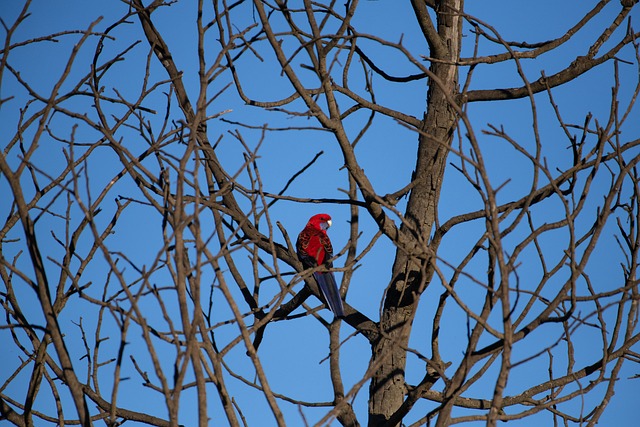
[[411, 272]]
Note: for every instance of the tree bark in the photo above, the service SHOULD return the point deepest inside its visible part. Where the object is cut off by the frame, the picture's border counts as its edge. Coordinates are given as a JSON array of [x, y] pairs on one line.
[[410, 269]]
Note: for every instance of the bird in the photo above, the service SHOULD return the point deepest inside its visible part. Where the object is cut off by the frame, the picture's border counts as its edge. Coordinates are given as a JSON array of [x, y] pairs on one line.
[[314, 249]]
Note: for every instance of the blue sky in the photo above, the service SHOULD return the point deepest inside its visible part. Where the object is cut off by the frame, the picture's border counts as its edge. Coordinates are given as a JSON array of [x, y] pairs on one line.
[[293, 352]]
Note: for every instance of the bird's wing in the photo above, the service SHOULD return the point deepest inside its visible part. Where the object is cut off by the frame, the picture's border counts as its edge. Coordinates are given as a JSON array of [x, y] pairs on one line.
[[313, 243], [325, 242]]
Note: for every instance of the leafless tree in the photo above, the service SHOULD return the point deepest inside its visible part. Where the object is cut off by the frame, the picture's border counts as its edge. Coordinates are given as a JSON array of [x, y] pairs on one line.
[[143, 266]]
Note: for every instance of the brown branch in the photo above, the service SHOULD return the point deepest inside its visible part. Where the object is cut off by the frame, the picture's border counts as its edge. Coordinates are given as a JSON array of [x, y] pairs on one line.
[[579, 66]]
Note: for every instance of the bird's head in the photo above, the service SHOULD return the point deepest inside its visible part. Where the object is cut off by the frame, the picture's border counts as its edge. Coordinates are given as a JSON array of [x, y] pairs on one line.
[[321, 221]]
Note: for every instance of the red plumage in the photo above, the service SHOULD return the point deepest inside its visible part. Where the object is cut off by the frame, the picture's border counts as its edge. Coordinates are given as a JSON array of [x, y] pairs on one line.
[[313, 242], [314, 249]]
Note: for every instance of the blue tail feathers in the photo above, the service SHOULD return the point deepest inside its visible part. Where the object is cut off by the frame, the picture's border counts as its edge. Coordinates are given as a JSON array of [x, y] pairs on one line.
[[329, 289]]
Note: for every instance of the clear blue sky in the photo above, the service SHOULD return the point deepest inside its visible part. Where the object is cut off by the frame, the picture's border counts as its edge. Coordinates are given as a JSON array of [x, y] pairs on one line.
[[294, 351]]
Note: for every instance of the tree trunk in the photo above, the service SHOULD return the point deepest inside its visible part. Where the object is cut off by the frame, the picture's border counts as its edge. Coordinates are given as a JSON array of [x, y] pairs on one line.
[[409, 279]]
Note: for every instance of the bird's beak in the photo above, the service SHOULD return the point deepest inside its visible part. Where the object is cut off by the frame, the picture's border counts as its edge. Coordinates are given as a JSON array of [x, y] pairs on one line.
[[328, 223], [325, 225]]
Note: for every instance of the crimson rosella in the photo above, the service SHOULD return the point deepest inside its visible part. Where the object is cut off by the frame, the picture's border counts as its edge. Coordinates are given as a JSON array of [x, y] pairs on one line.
[[314, 249]]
